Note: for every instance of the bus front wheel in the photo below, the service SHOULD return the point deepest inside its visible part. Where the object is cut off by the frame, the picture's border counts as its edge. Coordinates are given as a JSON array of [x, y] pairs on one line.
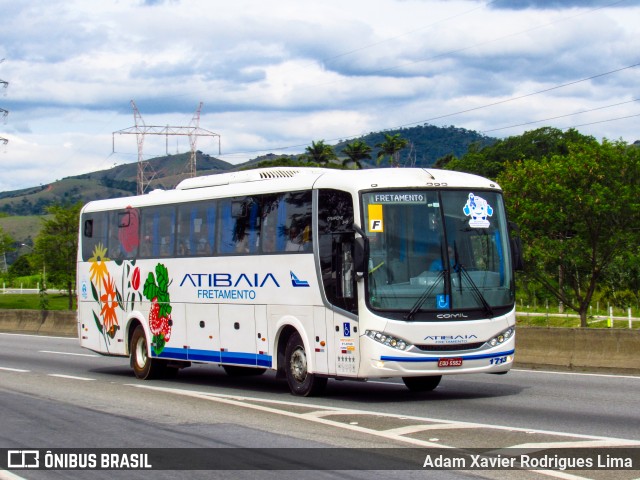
[[144, 367], [422, 384], [301, 382]]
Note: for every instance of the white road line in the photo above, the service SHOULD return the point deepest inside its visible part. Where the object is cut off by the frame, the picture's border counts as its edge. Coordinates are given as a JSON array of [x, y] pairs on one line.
[[241, 403], [71, 377], [33, 335], [583, 374], [423, 428], [69, 353], [319, 416], [4, 475], [19, 370]]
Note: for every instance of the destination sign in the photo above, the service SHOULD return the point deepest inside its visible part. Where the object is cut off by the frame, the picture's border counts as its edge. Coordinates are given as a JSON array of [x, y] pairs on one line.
[[399, 197]]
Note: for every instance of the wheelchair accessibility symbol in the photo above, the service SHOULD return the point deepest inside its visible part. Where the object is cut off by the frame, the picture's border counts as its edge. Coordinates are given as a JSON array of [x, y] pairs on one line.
[[442, 302]]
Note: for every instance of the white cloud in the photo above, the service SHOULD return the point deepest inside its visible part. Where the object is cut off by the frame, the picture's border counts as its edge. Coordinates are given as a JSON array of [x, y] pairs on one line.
[[281, 74]]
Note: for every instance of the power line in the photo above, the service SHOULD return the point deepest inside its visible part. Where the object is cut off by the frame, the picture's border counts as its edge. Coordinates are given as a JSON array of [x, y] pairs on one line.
[[604, 121], [560, 116], [480, 107], [140, 129]]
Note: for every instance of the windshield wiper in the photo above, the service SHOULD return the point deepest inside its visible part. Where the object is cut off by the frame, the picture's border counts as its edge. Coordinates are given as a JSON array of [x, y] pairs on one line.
[[424, 296], [462, 272], [474, 288]]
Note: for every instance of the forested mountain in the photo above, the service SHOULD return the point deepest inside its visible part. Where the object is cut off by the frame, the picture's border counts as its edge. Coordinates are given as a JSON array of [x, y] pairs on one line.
[[426, 144]]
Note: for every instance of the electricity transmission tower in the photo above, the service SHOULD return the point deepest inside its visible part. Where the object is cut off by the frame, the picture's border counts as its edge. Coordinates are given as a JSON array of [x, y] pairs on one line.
[[140, 129], [3, 112]]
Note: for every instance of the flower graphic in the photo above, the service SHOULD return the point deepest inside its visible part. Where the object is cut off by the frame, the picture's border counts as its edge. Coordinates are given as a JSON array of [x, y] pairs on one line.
[[98, 268], [109, 301], [135, 279]]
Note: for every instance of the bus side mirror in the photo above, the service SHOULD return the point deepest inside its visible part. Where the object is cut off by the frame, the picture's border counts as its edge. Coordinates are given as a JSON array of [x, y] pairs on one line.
[[516, 247], [360, 252]]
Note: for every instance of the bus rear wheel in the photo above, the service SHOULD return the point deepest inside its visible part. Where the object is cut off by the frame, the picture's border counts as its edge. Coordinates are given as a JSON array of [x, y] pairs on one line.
[[145, 367], [301, 381], [422, 384]]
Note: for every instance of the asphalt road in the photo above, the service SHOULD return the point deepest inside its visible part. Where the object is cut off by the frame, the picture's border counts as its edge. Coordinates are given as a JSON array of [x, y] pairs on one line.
[[53, 394]]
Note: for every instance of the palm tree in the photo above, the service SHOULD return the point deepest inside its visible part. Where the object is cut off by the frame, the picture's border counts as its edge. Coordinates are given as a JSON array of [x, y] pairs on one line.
[[320, 153], [391, 147], [356, 151]]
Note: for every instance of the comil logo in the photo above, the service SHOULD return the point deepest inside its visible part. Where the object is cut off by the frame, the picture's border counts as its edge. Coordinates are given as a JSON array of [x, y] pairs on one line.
[[23, 459]]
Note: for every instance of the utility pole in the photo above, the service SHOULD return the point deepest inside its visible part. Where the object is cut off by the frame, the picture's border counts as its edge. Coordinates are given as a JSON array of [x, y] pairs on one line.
[[3, 112], [140, 129]]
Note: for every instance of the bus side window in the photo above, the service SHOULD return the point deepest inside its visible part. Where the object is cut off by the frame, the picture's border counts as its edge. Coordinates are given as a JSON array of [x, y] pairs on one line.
[[297, 226], [114, 250], [240, 226], [94, 234], [271, 222], [158, 231], [196, 224]]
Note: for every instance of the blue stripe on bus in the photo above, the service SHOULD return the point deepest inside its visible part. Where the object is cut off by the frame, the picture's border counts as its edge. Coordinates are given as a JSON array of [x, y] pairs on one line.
[[214, 356], [435, 359], [172, 353], [204, 355]]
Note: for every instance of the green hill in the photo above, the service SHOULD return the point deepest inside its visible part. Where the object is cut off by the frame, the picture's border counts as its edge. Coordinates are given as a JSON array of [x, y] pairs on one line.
[[427, 144]]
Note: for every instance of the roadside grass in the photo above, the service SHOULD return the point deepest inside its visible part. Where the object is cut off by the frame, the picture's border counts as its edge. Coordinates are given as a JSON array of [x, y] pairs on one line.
[[533, 319], [16, 301]]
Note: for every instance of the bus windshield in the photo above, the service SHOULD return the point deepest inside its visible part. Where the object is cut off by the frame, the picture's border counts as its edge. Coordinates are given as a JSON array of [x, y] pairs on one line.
[[438, 255]]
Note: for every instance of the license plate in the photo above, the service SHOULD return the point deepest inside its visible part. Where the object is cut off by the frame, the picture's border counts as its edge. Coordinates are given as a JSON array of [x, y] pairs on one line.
[[450, 362]]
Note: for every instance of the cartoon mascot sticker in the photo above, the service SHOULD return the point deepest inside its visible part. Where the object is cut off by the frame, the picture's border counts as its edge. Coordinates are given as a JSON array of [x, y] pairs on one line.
[[479, 210]]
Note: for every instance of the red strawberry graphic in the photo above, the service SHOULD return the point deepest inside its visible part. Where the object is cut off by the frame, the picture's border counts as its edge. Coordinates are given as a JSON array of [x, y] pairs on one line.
[[166, 327], [154, 318], [156, 289], [159, 325]]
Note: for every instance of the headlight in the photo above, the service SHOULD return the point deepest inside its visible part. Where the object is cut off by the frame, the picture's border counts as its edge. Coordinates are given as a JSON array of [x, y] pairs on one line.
[[387, 340], [502, 337]]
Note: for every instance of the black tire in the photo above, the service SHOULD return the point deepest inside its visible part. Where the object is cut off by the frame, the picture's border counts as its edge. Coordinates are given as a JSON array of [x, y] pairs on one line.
[[422, 384], [144, 367], [301, 382], [237, 371]]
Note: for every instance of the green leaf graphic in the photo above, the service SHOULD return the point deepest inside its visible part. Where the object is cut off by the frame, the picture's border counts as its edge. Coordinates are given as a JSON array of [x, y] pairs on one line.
[[98, 324], [94, 292]]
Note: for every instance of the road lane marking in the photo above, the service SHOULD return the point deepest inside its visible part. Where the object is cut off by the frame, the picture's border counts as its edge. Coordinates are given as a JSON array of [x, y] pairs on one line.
[[69, 353], [322, 414], [583, 374], [70, 377], [5, 475], [19, 370], [33, 335], [241, 402]]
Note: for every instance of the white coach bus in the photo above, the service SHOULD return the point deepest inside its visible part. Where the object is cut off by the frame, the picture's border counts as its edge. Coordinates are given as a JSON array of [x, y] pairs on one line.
[[314, 273]]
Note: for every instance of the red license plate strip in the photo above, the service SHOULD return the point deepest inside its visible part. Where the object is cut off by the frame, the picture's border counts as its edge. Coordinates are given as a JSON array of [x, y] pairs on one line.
[[449, 362]]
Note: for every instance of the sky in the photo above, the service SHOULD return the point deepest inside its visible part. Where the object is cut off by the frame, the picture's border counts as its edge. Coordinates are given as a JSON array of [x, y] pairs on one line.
[[273, 76]]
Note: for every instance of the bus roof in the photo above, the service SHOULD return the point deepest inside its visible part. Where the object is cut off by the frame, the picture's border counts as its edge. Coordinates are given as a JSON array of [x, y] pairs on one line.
[[276, 179]]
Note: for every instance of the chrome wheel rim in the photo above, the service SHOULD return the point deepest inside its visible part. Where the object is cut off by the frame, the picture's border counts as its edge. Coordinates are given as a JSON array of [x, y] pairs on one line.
[[299, 365]]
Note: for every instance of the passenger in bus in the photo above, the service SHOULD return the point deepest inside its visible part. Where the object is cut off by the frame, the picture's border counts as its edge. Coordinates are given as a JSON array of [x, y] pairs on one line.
[[436, 265], [145, 246], [202, 246], [294, 242]]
